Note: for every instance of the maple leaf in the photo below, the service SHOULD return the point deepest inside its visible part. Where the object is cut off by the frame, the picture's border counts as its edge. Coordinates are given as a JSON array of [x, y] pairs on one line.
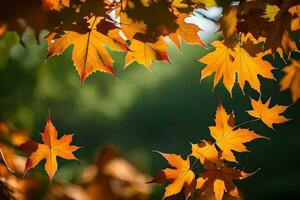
[[267, 115], [271, 11], [295, 23], [220, 62], [179, 4], [245, 60], [55, 4], [145, 52], [181, 176], [227, 137], [206, 3], [218, 180], [287, 46], [50, 150], [250, 18], [228, 23], [89, 53], [248, 67], [131, 27], [276, 29], [291, 80], [186, 31], [205, 151]]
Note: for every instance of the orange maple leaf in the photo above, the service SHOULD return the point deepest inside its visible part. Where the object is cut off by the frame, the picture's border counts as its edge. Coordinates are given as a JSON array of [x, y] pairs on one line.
[[219, 179], [267, 115], [131, 27], [205, 151], [295, 23], [228, 23], [50, 150], [89, 53], [55, 4], [227, 137], [142, 49], [240, 60], [181, 176], [186, 31], [291, 80], [145, 52], [220, 62], [248, 67]]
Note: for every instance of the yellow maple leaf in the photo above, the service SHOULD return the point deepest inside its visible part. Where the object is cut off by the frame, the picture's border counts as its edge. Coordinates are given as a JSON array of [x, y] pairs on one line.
[[220, 62], [248, 67], [205, 151], [89, 53], [145, 52], [229, 138], [179, 4], [131, 27], [291, 80], [267, 115], [180, 176], [206, 3], [271, 11], [243, 60]]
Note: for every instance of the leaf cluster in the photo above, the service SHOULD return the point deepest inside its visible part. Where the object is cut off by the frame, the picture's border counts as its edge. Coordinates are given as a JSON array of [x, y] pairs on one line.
[[217, 158]]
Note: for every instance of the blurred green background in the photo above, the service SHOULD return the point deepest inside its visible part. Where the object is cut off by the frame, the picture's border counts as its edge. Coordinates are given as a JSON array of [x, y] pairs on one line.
[[142, 111]]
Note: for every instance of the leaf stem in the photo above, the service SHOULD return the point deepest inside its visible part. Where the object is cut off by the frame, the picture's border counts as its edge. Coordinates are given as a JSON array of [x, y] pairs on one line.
[[244, 123], [191, 168]]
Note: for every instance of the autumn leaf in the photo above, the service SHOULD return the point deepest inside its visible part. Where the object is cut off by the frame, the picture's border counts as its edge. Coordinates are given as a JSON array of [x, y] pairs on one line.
[[186, 31], [295, 23], [219, 180], [131, 27], [268, 115], [220, 62], [112, 171], [206, 3], [55, 4], [248, 67], [291, 80], [243, 60], [180, 176], [205, 151], [50, 150], [270, 12], [275, 31], [146, 52], [229, 138], [89, 53], [179, 4], [228, 23], [10, 162]]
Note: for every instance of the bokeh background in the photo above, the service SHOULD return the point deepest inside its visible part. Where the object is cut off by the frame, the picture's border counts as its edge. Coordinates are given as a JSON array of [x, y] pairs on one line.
[[164, 109]]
